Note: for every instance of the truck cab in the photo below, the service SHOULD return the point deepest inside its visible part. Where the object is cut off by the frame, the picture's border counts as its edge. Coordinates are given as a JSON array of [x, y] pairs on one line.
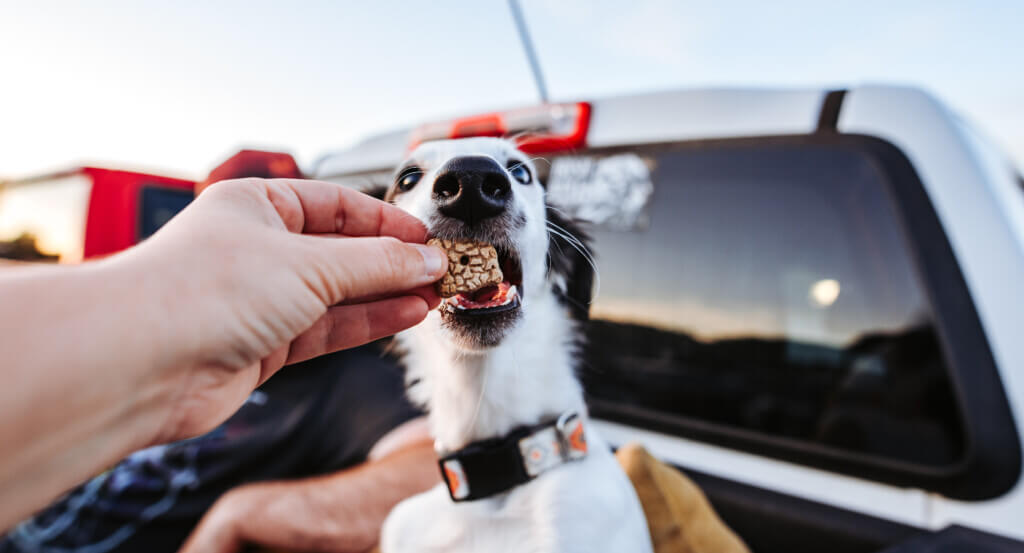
[[808, 300], [84, 212]]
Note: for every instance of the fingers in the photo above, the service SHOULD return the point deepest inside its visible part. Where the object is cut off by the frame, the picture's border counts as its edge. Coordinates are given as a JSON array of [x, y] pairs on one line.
[[321, 207], [351, 268], [347, 326], [428, 292], [216, 533], [335, 513]]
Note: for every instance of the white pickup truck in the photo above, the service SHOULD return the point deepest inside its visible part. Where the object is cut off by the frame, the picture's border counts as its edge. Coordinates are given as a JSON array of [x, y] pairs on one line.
[[810, 301]]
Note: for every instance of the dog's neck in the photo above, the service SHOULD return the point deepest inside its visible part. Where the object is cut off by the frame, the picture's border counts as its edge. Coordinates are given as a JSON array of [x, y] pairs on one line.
[[528, 378]]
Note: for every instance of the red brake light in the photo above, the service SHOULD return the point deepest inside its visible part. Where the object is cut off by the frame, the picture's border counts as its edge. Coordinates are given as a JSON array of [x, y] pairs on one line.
[[482, 125], [545, 128]]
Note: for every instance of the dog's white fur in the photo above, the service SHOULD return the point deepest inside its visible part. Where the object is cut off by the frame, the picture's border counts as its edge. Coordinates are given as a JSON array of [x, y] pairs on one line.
[[473, 393]]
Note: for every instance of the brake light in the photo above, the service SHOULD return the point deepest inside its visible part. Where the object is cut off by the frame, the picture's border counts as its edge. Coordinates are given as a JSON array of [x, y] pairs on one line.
[[483, 125], [539, 129]]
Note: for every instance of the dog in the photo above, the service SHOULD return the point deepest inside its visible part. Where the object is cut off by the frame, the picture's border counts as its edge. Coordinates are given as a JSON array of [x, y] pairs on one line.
[[524, 469]]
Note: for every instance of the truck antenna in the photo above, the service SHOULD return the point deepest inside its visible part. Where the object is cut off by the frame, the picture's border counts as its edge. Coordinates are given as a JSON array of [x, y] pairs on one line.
[[531, 54]]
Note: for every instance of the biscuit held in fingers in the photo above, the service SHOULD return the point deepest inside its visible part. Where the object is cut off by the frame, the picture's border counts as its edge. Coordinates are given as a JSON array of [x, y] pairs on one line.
[[471, 266]]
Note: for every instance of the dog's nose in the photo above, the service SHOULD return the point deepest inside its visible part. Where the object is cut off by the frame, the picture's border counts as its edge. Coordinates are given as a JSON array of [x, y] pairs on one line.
[[471, 189]]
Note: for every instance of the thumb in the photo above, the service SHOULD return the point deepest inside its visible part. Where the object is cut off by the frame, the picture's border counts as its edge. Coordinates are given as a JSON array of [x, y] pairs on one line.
[[368, 266]]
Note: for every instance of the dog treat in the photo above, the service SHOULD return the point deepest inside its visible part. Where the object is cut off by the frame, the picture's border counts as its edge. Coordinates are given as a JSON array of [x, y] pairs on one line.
[[471, 266]]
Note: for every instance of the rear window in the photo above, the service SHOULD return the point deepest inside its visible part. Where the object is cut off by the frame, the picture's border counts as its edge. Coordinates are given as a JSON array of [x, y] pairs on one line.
[[769, 291]]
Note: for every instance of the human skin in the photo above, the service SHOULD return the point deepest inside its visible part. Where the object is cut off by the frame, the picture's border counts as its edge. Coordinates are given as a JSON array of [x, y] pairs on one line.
[[166, 340], [336, 513]]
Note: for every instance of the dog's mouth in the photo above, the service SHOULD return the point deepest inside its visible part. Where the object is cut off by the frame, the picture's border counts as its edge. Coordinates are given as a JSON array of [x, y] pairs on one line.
[[494, 299]]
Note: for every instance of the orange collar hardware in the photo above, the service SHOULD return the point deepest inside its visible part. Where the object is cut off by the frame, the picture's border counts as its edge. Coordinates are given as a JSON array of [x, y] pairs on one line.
[[489, 467]]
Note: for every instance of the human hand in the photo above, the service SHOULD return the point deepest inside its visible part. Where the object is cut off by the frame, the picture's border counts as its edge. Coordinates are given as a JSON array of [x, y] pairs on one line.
[[336, 513], [256, 274]]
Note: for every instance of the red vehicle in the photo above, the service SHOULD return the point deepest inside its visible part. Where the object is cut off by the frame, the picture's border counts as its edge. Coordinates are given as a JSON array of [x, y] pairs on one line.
[[89, 211], [84, 212]]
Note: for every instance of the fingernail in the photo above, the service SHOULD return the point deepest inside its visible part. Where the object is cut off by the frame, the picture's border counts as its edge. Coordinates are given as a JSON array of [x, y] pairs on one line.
[[433, 259]]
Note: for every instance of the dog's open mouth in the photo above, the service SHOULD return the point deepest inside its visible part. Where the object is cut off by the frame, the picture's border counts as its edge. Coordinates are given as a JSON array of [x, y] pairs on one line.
[[493, 299]]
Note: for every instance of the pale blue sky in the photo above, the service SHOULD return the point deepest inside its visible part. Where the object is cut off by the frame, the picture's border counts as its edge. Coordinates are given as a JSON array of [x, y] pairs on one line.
[[176, 86]]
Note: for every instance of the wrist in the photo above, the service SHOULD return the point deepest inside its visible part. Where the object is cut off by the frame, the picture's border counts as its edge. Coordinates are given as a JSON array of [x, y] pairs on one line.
[[148, 339]]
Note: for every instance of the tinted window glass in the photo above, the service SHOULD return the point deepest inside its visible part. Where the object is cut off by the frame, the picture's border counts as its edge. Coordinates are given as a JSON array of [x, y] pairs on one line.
[[159, 204], [771, 290]]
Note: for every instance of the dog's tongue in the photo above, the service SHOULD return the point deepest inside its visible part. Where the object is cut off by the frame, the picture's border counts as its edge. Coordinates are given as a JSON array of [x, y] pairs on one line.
[[488, 296], [485, 294]]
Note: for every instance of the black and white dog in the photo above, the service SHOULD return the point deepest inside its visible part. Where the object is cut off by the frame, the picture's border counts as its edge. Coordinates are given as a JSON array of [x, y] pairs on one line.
[[524, 469]]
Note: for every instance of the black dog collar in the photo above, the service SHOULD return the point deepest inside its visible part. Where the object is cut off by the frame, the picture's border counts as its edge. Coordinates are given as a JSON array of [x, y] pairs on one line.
[[489, 467]]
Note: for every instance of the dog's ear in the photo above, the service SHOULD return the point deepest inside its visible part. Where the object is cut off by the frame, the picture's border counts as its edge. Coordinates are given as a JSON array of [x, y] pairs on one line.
[[569, 265]]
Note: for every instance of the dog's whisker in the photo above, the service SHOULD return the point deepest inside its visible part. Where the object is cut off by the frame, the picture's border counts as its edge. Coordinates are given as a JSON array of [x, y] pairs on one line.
[[557, 245], [531, 159], [590, 261], [520, 134], [575, 243], [560, 210], [566, 231], [582, 249], [573, 239]]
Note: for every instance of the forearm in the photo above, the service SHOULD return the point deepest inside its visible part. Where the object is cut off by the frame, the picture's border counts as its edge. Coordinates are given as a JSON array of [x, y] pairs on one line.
[[360, 499], [80, 354], [166, 340], [339, 513], [386, 483]]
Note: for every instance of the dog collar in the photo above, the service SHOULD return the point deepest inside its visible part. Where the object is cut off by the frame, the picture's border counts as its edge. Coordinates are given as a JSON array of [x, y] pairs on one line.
[[488, 467]]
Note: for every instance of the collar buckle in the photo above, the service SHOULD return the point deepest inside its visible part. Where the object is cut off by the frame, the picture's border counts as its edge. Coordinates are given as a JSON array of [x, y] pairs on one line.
[[553, 444], [487, 467], [572, 439]]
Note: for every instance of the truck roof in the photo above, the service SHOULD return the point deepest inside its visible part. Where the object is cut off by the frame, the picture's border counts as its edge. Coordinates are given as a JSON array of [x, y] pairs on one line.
[[634, 119]]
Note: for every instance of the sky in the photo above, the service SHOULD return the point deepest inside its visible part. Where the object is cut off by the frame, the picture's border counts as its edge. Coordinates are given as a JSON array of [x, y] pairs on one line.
[[175, 87]]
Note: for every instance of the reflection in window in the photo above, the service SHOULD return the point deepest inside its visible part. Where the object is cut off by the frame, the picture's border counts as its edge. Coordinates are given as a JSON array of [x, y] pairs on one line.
[[44, 220], [773, 292]]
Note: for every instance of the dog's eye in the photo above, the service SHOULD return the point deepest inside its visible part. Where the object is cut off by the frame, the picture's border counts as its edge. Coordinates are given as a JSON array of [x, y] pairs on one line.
[[408, 178], [519, 172]]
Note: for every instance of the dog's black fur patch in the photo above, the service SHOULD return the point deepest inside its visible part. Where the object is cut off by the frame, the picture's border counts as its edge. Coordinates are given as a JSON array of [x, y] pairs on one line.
[[481, 331], [566, 260]]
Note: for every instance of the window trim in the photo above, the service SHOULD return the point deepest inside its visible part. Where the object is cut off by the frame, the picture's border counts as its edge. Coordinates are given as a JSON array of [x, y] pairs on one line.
[[991, 462]]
